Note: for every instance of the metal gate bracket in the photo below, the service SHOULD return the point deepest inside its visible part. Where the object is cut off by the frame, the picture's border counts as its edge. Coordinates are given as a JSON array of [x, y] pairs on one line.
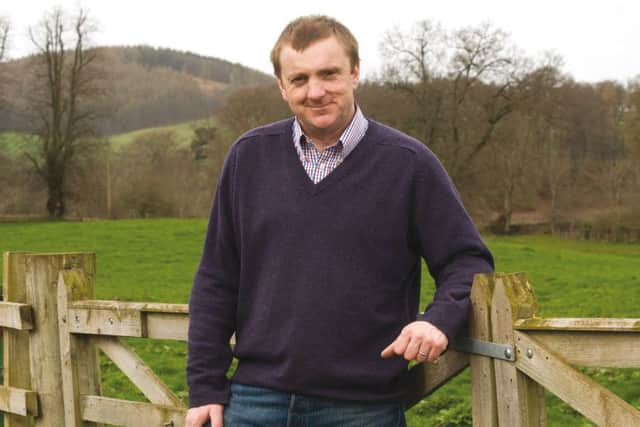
[[484, 348]]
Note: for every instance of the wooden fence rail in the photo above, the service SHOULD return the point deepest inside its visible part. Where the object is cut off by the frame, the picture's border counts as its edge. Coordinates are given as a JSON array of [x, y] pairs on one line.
[[53, 329]]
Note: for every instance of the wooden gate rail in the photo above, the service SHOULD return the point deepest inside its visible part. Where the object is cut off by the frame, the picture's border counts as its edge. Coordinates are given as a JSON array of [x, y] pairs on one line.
[[588, 342], [129, 319], [16, 316], [53, 329], [18, 401]]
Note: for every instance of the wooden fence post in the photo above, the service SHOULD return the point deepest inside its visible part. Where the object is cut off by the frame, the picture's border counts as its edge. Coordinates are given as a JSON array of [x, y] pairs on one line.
[[520, 399], [15, 343], [42, 273], [79, 358], [483, 383]]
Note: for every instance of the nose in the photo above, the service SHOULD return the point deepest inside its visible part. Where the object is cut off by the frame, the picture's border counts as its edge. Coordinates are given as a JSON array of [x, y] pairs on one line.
[[315, 89]]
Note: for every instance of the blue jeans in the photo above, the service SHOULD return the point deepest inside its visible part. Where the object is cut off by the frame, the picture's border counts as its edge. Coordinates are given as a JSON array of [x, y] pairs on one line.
[[261, 407]]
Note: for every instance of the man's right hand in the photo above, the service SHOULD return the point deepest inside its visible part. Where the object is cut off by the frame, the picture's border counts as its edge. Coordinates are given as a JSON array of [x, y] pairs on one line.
[[196, 417]]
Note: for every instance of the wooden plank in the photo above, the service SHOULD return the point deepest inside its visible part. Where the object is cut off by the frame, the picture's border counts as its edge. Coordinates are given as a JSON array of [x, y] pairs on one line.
[[112, 322], [17, 371], [579, 324], [172, 326], [78, 357], [578, 390], [42, 271], [428, 377], [137, 371], [147, 307], [483, 382], [16, 316], [130, 319], [68, 352], [18, 401], [87, 363], [130, 414], [520, 401], [593, 349]]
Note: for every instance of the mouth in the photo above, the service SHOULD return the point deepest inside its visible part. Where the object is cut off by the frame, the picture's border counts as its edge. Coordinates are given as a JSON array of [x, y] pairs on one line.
[[319, 106]]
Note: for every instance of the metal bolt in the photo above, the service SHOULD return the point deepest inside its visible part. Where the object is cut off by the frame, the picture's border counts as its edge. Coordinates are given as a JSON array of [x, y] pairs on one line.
[[508, 353], [111, 321], [529, 353]]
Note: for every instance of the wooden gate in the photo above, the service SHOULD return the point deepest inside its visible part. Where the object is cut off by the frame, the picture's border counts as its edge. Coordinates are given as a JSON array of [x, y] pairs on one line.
[[53, 329]]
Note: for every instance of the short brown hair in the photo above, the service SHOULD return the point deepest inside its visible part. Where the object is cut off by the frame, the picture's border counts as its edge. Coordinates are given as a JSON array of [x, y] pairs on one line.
[[302, 32]]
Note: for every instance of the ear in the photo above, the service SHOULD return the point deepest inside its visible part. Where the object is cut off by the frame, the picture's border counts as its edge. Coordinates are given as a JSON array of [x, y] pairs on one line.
[[355, 76], [283, 91]]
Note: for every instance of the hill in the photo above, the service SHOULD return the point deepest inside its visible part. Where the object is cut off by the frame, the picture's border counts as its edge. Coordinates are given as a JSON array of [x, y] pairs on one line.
[[145, 87]]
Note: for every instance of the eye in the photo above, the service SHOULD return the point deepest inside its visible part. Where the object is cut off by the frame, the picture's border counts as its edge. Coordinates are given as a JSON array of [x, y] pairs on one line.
[[329, 74], [298, 80]]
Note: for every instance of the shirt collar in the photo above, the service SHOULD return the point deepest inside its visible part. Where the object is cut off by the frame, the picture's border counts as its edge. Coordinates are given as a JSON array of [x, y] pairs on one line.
[[349, 138]]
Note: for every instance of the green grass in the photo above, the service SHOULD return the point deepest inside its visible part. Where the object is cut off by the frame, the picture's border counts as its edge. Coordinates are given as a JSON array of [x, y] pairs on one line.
[[14, 144], [183, 133], [154, 260]]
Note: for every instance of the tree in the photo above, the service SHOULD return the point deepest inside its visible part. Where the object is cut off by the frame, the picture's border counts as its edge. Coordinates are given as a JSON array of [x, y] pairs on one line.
[[4, 35], [203, 138], [510, 165], [66, 85], [463, 82], [415, 64], [632, 135], [632, 119], [249, 107], [4, 38], [487, 81]]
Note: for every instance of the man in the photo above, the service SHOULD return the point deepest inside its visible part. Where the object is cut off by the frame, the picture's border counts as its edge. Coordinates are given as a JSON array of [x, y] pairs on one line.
[[313, 256]]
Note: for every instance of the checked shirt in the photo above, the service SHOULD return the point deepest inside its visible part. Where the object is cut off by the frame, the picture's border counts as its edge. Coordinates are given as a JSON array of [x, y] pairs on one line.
[[320, 163]]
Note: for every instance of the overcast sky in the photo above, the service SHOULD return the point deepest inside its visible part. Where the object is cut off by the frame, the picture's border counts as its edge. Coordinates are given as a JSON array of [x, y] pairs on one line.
[[598, 39]]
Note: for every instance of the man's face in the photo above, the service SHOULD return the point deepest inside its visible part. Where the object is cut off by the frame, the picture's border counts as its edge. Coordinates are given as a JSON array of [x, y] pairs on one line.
[[318, 84]]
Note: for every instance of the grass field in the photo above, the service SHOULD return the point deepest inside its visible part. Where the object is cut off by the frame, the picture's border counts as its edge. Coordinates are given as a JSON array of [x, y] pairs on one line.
[[154, 260], [15, 144], [183, 133]]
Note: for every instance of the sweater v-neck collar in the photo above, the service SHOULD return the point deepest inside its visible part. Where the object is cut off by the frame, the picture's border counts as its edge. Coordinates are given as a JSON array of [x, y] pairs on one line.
[[299, 175]]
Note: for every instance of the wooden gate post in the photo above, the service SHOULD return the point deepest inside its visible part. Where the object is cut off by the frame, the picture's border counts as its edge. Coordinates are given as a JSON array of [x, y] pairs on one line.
[[520, 399], [42, 272], [79, 356], [483, 383], [15, 343]]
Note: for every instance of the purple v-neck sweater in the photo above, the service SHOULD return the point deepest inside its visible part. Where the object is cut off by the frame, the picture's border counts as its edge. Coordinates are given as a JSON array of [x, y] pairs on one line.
[[317, 279]]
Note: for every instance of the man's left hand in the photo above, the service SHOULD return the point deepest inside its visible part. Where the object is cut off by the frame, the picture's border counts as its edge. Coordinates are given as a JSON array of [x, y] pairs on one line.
[[420, 341]]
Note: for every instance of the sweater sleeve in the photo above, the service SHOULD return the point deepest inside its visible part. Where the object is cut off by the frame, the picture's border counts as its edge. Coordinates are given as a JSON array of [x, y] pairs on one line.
[[450, 244], [213, 300]]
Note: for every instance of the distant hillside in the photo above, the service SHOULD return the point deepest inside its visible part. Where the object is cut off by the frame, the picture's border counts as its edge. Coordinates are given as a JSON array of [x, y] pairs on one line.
[[206, 68], [146, 87]]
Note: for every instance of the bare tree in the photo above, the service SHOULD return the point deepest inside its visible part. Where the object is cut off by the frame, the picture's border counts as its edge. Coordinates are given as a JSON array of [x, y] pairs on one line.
[[509, 165], [464, 83], [486, 74], [5, 26], [62, 99], [415, 63]]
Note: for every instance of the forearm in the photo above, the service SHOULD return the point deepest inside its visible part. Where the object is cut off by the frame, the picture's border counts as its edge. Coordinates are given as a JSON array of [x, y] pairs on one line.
[[211, 313], [449, 310]]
